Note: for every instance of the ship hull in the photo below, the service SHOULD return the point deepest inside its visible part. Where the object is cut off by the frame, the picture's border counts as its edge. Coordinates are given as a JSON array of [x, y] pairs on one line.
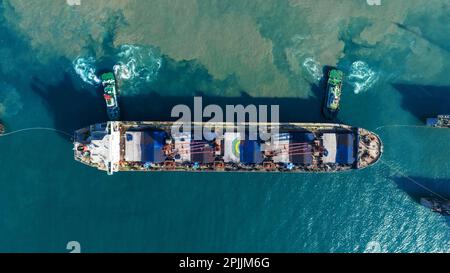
[[441, 121], [294, 147], [328, 113]]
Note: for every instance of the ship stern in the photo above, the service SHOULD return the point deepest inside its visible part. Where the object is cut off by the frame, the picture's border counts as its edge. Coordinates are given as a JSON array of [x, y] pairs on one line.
[[98, 146]]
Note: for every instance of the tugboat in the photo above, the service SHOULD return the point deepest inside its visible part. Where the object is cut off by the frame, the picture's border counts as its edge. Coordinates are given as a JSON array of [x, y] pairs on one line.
[[110, 95], [436, 205], [441, 121], [333, 94]]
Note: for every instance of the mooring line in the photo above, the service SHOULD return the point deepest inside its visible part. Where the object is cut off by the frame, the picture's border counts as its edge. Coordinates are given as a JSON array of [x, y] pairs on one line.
[[402, 173], [402, 125], [412, 180], [37, 129], [382, 161]]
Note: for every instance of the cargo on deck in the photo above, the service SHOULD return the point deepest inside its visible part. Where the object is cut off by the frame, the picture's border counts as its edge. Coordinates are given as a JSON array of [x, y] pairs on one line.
[[293, 147]]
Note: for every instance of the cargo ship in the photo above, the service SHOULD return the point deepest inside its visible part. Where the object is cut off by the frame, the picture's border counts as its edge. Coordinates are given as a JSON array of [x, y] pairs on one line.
[[333, 94], [441, 121], [293, 147], [440, 206], [110, 94]]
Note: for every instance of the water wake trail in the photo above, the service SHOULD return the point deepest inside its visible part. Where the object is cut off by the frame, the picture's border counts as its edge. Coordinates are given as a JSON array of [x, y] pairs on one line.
[[136, 62], [313, 68], [37, 129], [85, 68], [361, 77]]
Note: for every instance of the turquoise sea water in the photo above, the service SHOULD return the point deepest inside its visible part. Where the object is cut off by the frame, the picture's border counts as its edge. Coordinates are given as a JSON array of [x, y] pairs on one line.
[[396, 60]]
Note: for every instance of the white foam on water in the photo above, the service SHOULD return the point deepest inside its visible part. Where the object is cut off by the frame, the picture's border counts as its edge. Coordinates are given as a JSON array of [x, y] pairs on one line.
[[136, 62], [85, 68], [10, 100], [313, 68], [362, 77]]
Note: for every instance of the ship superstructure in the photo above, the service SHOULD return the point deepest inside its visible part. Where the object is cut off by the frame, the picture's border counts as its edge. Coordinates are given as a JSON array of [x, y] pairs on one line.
[[293, 147]]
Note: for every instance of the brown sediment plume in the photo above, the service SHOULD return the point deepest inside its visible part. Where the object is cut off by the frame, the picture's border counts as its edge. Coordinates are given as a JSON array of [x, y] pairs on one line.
[[258, 43]]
